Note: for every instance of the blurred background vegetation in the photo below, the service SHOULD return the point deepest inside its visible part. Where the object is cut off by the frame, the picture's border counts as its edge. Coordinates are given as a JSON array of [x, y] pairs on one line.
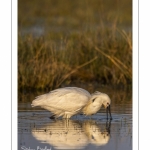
[[61, 42]]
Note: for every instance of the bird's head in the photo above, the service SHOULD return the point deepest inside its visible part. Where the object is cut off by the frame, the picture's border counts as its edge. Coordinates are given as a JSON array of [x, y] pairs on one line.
[[97, 100], [101, 99]]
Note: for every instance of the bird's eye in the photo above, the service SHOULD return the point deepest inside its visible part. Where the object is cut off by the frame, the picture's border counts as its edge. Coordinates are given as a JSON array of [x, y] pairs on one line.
[[93, 100]]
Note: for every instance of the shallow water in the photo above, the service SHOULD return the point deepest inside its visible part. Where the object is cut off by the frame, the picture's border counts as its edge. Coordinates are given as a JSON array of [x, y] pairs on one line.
[[37, 131]]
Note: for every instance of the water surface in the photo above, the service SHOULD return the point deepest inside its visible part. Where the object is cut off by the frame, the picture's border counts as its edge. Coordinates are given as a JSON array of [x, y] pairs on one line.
[[37, 131]]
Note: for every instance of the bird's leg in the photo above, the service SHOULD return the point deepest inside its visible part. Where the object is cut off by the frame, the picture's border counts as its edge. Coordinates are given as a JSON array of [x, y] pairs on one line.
[[66, 116], [90, 117], [52, 117]]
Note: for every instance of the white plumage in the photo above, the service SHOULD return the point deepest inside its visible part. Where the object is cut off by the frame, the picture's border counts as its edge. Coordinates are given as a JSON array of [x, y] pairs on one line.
[[69, 101]]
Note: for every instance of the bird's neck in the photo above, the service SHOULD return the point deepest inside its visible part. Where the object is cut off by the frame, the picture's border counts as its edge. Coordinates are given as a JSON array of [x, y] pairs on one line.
[[91, 109]]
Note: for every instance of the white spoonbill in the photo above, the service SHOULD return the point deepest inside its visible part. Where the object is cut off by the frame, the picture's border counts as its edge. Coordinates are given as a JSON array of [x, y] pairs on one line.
[[69, 101]]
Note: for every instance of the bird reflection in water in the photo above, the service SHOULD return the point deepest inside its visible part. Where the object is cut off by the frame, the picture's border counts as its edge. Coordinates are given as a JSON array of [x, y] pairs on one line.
[[97, 135], [73, 134]]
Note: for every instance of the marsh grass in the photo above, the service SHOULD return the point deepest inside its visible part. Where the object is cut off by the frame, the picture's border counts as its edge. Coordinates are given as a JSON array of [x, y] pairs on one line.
[[69, 41], [43, 63]]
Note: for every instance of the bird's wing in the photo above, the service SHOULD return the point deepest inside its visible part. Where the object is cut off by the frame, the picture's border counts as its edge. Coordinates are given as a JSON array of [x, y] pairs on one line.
[[66, 99]]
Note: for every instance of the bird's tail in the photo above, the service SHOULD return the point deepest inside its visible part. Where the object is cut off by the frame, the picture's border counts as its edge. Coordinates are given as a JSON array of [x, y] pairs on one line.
[[38, 101], [34, 103]]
